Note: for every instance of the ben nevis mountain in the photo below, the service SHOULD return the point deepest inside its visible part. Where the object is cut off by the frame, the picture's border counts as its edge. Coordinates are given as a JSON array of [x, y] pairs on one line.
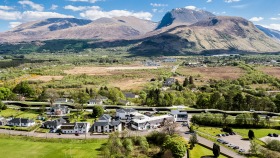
[[181, 31]]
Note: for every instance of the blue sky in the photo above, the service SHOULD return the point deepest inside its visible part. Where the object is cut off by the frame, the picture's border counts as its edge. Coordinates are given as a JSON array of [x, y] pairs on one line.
[[15, 12]]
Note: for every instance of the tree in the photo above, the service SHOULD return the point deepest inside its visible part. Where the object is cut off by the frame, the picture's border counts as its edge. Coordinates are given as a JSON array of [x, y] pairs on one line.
[[186, 82], [5, 93], [256, 118], [216, 150], [170, 128], [176, 144], [24, 89], [251, 134], [193, 140], [254, 147], [97, 111], [82, 98], [191, 80], [51, 95]]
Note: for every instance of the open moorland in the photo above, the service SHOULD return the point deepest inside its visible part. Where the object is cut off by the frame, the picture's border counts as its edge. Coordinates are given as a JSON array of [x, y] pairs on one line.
[[274, 71]]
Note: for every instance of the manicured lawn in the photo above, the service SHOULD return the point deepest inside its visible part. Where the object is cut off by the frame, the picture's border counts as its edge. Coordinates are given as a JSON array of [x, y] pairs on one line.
[[16, 147], [209, 130], [259, 133], [18, 113], [199, 151]]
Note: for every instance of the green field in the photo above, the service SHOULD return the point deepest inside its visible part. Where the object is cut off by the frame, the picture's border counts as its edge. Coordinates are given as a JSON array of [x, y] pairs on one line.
[[18, 113], [19, 147], [259, 133], [199, 151]]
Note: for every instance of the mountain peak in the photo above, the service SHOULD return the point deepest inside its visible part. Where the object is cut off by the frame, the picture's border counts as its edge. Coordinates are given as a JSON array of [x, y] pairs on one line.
[[183, 16]]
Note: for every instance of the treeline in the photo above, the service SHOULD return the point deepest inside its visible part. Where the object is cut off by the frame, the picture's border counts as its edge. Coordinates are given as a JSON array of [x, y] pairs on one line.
[[241, 120]]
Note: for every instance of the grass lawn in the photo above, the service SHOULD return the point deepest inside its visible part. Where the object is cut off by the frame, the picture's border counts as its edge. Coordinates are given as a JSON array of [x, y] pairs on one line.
[[213, 131], [259, 133], [199, 151], [18, 147], [17, 113]]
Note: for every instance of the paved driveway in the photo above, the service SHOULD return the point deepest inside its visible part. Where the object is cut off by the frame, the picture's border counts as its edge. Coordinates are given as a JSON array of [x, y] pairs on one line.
[[237, 140]]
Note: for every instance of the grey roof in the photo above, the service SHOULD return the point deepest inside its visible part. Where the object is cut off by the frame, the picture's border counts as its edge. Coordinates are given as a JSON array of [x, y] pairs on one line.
[[55, 123], [21, 120], [100, 123], [81, 124], [104, 117], [126, 110], [129, 95], [115, 123]]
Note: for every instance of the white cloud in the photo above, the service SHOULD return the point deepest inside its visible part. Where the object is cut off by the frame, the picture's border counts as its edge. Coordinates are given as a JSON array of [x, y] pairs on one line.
[[154, 10], [30, 15], [230, 1], [5, 15], [14, 24], [3, 7], [256, 19], [273, 26], [54, 7], [94, 14], [209, 1], [81, 8], [278, 18], [35, 15], [191, 7], [239, 6], [158, 5], [89, 1], [33, 5]]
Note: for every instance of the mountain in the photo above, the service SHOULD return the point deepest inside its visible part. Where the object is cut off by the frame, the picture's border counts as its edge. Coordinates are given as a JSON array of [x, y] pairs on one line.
[[216, 34], [71, 28], [270, 32], [183, 16]]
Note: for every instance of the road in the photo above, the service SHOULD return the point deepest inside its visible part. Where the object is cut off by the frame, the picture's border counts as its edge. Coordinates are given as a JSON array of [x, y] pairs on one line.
[[210, 144]]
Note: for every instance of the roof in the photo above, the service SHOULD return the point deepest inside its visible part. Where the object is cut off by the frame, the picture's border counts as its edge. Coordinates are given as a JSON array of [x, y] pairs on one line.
[[130, 95], [104, 117], [112, 123], [153, 119], [21, 120], [95, 100], [129, 110], [55, 122]]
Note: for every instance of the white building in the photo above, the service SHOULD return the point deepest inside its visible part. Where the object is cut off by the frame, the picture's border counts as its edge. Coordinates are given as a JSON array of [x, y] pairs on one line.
[[179, 115], [77, 127], [21, 122], [58, 110], [106, 124], [125, 114], [146, 122]]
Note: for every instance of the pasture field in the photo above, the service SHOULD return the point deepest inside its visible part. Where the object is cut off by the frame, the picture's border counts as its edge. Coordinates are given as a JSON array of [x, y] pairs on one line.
[[273, 71], [204, 74], [20, 147]]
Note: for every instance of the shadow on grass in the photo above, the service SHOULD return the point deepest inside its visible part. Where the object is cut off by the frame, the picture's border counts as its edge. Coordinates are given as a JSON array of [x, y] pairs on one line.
[[245, 139]]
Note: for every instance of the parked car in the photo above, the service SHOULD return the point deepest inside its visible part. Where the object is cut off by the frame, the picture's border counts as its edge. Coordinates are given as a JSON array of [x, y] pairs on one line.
[[223, 135], [270, 135], [241, 150], [227, 134], [218, 135], [225, 142], [235, 147], [76, 134], [275, 135], [220, 140]]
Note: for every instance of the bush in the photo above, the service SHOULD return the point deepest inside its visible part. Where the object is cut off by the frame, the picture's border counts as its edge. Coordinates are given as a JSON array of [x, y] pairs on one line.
[[273, 145]]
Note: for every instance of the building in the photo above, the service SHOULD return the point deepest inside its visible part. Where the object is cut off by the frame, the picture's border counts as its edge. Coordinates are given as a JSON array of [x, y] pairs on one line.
[[75, 128], [54, 124], [179, 115], [95, 102], [58, 110], [169, 82], [169, 60], [125, 114], [21, 122], [63, 100], [130, 95], [3, 121], [106, 124], [146, 123]]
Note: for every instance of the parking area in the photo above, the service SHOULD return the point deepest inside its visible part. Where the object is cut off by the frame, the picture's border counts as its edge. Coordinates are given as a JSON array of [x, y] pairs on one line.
[[264, 139], [236, 140]]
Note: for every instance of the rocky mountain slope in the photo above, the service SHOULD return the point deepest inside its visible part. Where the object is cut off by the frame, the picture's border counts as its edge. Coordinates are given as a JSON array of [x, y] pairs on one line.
[[71, 28], [270, 32], [183, 16], [216, 34]]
